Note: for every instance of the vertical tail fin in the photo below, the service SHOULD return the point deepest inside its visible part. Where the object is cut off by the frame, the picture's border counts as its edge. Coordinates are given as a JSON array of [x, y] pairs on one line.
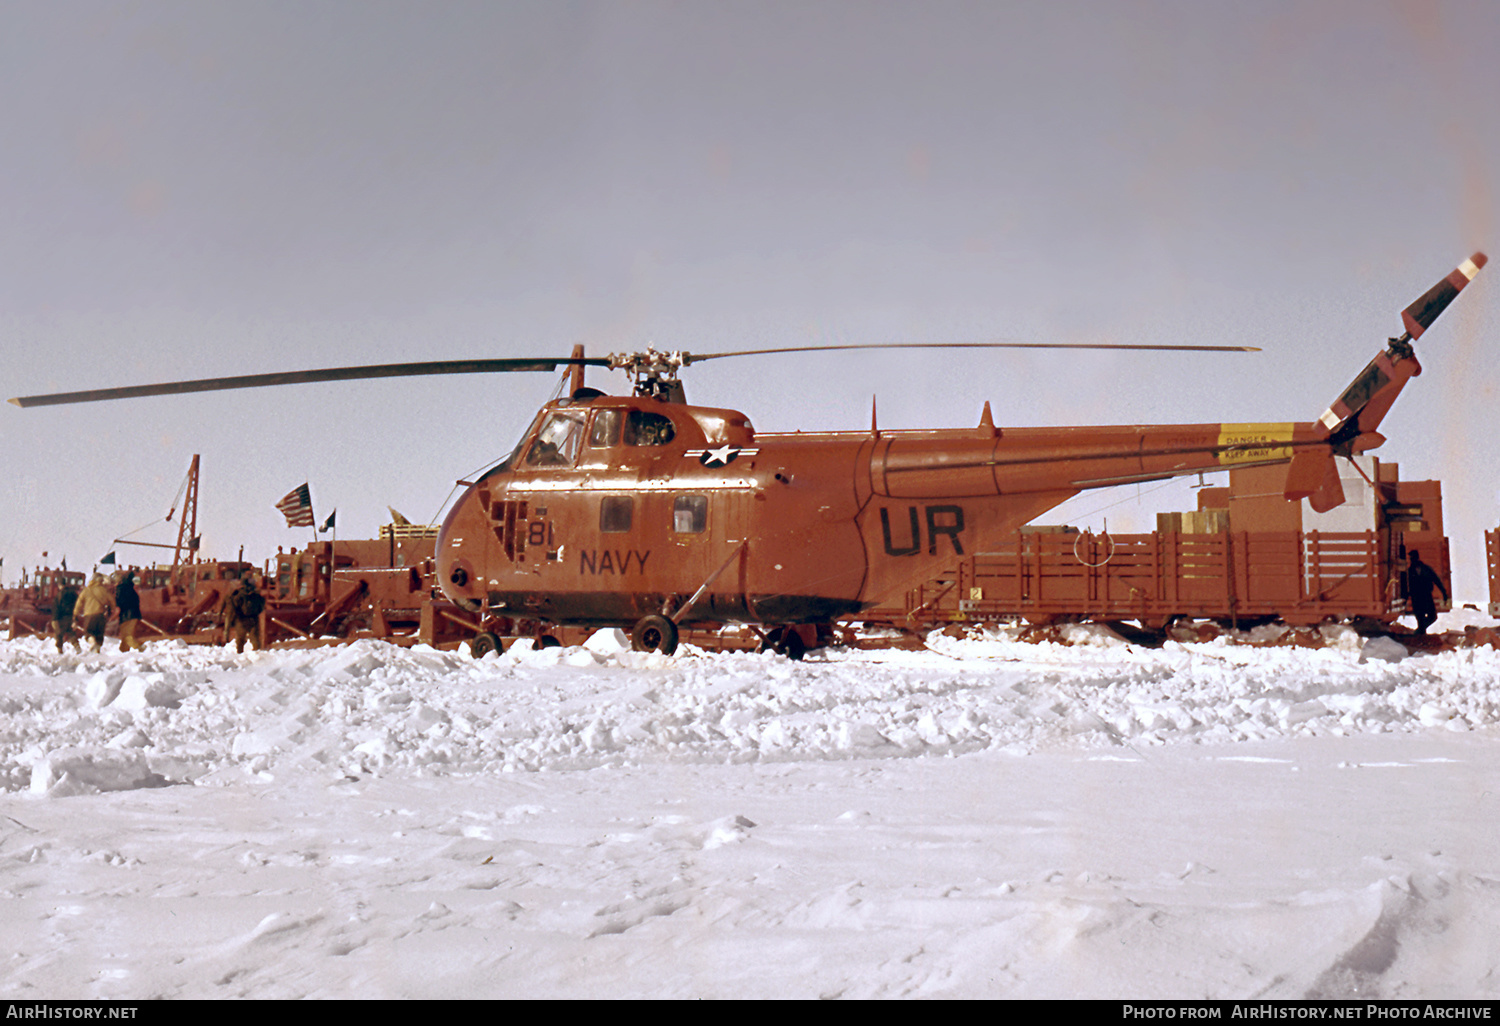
[[1348, 425], [1362, 406]]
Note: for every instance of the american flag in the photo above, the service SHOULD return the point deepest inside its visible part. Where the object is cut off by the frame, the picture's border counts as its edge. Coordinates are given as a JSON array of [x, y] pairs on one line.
[[297, 507]]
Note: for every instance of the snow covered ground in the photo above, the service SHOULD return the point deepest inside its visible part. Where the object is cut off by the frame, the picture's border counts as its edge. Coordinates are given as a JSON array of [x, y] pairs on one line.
[[983, 819]]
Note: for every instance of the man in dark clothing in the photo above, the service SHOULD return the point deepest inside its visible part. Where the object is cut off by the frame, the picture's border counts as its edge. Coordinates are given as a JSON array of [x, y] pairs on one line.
[[242, 608], [1420, 580], [129, 605], [62, 617]]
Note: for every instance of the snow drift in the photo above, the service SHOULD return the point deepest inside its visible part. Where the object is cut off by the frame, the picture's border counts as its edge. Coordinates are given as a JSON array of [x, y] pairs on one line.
[[985, 818]]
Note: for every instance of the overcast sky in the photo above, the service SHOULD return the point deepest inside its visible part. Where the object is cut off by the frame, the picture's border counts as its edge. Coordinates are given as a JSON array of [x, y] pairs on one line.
[[201, 189]]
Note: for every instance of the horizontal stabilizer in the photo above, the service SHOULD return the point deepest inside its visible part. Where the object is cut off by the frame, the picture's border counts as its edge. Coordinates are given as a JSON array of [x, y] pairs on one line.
[[1330, 494], [1314, 475], [1306, 472]]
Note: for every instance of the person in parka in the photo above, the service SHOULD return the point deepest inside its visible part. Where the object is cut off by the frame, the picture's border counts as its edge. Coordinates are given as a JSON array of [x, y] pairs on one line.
[[94, 606], [62, 617], [129, 604], [242, 608], [1420, 580]]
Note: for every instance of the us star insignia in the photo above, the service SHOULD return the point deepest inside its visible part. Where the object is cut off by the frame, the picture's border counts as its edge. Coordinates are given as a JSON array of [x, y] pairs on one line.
[[720, 457]]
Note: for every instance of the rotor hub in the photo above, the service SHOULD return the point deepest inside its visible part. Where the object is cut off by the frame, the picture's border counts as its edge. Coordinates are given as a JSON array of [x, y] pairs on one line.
[[654, 373]]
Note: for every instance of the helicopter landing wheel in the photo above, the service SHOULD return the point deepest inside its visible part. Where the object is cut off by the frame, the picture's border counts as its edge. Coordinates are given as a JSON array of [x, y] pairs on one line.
[[483, 644], [785, 641], [654, 634]]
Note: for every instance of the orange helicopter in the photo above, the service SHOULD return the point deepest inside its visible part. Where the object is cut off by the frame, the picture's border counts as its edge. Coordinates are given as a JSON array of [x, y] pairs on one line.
[[647, 513]]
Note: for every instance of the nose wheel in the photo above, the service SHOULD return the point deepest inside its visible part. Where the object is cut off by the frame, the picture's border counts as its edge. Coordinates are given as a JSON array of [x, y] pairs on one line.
[[484, 643], [654, 634]]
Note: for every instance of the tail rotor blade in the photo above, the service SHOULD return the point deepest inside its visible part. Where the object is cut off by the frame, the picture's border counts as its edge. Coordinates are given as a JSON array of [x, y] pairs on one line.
[[1419, 316]]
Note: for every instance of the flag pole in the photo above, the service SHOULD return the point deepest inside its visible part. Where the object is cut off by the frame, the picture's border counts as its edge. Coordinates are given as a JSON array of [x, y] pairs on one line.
[[297, 507], [331, 524], [313, 523]]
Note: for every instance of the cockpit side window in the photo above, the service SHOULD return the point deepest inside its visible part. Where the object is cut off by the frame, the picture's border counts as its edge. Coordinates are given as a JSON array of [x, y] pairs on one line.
[[557, 442], [605, 431], [642, 427]]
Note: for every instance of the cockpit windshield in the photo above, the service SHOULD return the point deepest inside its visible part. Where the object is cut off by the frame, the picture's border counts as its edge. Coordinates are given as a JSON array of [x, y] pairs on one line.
[[510, 461], [557, 442]]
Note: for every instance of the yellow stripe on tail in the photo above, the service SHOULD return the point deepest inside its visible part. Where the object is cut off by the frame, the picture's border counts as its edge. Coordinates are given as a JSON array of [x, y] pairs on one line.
[[1254, 443]]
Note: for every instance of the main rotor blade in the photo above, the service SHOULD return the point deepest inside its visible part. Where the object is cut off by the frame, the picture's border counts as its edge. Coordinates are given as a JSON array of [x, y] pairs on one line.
[[688, 358], [387, 370]]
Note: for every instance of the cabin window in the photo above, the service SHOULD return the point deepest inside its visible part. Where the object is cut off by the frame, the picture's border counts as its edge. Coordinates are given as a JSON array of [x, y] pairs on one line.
[[642, 427], [690, 514], [715, 428], [616, 513], [557, 442], [605, 431]]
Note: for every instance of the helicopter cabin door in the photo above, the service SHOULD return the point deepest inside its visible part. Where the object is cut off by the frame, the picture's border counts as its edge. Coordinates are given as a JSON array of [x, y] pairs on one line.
[[727, 553]]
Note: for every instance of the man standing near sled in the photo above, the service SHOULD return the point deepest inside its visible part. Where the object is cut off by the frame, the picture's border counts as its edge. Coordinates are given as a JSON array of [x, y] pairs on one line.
[[1420, 580]]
